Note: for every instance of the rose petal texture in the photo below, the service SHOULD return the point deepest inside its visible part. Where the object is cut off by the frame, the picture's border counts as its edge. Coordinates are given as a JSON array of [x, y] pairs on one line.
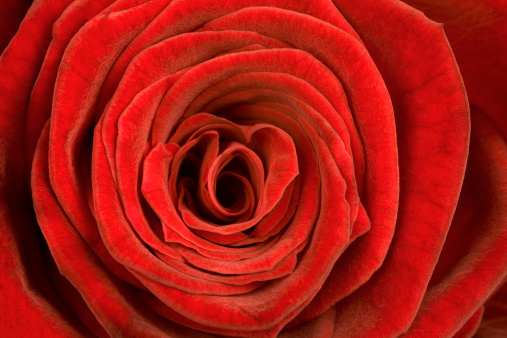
[[253, 168]]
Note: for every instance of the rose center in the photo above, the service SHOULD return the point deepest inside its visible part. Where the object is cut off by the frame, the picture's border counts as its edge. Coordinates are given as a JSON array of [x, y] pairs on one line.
[[230, 192]]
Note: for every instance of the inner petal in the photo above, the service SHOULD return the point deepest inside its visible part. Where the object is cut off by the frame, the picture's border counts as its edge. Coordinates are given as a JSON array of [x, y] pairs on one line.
[[238, 175]]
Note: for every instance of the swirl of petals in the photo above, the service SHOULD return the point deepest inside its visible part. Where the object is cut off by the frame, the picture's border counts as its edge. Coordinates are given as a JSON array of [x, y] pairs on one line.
[[159, 103], [218, 159]]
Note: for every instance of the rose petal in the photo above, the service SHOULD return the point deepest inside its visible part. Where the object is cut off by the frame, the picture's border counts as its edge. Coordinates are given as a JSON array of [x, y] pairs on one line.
[[432, 123], [472, 261], [476, 33]]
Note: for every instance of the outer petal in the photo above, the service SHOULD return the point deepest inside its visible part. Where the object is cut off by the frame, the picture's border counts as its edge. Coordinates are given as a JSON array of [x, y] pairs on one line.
[[432, 121], [473, 261], [11, 14], [477, 32], [25, 287]]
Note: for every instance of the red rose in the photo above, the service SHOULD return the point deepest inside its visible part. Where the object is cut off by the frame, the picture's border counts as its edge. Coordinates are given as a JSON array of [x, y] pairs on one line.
[[254, 168]]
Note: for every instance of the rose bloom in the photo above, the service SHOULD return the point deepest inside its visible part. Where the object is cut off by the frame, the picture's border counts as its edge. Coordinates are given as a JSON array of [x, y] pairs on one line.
[[253, 168]]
